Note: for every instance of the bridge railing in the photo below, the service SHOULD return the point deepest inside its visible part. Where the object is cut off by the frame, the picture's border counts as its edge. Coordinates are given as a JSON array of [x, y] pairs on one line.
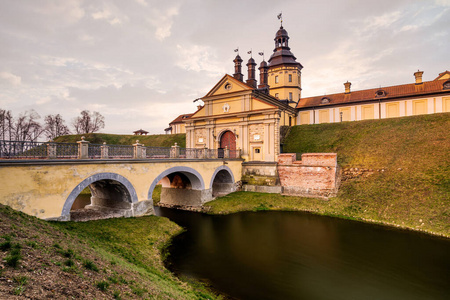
[[157, 152], [85, 150], [37, 150]]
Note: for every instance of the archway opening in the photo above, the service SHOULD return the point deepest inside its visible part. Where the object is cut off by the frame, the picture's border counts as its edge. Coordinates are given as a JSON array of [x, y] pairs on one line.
[[228, 140], [222, 184], [102, 199], [179, 187]]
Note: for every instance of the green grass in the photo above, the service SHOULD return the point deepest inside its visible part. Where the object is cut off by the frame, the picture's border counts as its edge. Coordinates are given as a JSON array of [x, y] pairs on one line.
[[155, 140], [413, 191]]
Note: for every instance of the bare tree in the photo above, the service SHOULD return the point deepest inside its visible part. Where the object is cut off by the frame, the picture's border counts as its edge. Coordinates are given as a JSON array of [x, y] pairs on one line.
[[54, 126], [6, 124], [88, 122], [26, 127]]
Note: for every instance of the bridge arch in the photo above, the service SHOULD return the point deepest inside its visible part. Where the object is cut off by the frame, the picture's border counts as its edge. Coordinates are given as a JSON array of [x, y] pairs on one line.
[[103, 185], [222, 181], [189, 191]]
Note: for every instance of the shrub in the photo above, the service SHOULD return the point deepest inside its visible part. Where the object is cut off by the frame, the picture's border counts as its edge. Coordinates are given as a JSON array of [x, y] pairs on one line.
[[102, 285], [90, 265], [6, 245]]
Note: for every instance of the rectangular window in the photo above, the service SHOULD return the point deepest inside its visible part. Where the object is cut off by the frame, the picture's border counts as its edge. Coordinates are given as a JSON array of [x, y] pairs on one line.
[[290, 96], [276, 79], [276, 95], [290, 78]]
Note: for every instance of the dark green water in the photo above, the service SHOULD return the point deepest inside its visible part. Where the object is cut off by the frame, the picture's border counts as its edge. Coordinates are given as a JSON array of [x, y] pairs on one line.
[[294, 255]]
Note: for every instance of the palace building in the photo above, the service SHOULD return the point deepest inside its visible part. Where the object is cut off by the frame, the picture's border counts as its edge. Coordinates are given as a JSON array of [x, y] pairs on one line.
[[245, 115]]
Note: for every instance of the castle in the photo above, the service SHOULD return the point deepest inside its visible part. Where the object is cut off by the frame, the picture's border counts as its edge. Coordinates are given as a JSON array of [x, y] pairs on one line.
[[244, 115]]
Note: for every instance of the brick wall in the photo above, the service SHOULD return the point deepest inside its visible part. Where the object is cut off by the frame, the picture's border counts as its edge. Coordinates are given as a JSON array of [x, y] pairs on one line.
[[316, 175]]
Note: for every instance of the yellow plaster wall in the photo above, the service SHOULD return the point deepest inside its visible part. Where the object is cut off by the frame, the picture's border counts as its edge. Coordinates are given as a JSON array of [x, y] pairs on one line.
[[392, 110], [367, 112], [304, 117], [446, 104], [233, 102], [235, 87], [346, 114], [324, 116], [256, 117], [226, 120], [258, 105], [200, 113], [41, 190], [200, 123], [420, 107]]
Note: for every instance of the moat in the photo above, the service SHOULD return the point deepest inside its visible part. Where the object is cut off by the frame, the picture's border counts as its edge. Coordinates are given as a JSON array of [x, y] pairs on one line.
[[295, 255]]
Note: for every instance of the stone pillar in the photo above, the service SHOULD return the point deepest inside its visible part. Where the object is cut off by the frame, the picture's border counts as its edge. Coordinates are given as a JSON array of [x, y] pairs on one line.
[[138, 151], [204, 154], [51, 150], [226, 152], [83, 149], [104, 151], [175, 151]]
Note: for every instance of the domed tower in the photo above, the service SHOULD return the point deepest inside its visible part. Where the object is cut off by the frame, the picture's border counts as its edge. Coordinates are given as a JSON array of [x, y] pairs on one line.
[[284, 74], [251, 65], [238, 68]]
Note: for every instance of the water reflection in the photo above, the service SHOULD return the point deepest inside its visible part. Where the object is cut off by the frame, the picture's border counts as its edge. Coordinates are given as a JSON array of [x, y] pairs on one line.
[[292, 255]]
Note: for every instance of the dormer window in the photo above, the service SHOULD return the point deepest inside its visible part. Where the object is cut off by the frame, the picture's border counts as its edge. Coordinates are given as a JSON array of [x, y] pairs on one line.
[[446, 85], [380, 93], [325, 100]]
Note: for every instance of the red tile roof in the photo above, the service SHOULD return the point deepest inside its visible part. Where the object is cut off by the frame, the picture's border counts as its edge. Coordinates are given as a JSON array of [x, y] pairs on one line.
[[180, 118], [391, 93]]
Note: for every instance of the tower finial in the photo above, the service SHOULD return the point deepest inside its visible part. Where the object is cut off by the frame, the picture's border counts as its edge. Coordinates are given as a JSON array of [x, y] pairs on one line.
[[262, 54], [250, 52], [280, 17], [237, 50]]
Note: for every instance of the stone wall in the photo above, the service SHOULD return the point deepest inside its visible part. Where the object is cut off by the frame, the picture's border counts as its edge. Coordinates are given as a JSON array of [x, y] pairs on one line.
[[260, 173], [316, 175]]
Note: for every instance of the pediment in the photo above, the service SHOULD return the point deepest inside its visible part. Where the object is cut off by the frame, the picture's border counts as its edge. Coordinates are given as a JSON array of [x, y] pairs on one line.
[[228, 85]]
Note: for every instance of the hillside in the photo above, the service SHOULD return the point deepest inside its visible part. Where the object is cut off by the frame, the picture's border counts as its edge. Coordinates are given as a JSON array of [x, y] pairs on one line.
[[155, 140], [395, 171], [106, 259]]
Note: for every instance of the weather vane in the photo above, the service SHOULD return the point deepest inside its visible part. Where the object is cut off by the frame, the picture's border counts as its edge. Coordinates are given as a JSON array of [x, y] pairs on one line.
[[280, 17], [262, 54], [250, 52], [237, 50]]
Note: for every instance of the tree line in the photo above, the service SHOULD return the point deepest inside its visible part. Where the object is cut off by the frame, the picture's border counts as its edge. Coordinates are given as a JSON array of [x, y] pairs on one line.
[[26, 126]]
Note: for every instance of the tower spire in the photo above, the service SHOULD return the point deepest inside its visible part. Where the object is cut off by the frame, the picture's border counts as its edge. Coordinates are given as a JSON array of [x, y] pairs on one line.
[[280, 17]]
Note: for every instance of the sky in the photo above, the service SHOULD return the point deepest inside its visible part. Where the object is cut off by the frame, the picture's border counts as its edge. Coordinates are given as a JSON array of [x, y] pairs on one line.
[[141, 63]]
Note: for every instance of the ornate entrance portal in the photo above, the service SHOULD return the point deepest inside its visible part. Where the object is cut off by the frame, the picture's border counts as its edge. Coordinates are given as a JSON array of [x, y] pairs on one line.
[[228, 140]]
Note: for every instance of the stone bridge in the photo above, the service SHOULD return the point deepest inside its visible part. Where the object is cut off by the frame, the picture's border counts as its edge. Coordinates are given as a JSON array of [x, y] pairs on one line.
[[50, 189]]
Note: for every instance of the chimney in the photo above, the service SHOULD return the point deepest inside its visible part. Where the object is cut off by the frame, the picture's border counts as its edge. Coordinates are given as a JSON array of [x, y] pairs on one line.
[[251, 81], [263, 75], [347, 87], [237, 68], [418, 76]]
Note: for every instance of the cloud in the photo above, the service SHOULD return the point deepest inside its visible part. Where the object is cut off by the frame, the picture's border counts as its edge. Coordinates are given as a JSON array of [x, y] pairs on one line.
[[199, 59], [110, 14], [10, 79], [163, 20]]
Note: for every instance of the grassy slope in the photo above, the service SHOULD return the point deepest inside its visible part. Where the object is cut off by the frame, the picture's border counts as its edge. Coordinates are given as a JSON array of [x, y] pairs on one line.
[[413, 191], [126, 252], [155, 140]]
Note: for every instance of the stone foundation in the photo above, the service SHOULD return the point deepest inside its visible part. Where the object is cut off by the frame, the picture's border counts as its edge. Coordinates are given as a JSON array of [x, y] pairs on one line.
[[259, 174], [184, 197]]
